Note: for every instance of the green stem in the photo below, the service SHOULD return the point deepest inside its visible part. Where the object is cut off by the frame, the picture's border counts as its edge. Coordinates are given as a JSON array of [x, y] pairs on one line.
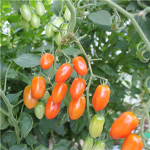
[[73, 15], [65, 55], [18, 103], [10, 115], [140, 4], [131, 17]]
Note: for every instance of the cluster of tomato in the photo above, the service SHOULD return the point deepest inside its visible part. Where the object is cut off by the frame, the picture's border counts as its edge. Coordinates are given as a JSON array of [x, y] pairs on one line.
[[32, 18], [122, 128]]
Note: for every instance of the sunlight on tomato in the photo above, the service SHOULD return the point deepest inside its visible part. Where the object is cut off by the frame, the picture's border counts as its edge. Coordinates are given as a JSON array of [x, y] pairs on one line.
[[40, 9], [25, 12]]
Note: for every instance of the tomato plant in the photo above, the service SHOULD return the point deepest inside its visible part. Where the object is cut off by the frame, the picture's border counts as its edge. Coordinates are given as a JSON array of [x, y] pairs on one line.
[[38, 87], [76, 108], [45, 97], [88, 143], [57, 22], [96, 125], [3, 123], [51, 109], [25, 12], [79, 65], [99, 145], [25, 23], [123, 125], [46, 61], [77, 88], [131, 142], [63, 73], [59, 92], [29, 101], [49, 32], [35, 20], [39, 110], [101, 97], [40, 9]]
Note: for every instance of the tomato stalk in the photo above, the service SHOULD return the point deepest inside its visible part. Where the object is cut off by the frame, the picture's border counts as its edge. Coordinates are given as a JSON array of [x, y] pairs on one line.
[[131, 17]]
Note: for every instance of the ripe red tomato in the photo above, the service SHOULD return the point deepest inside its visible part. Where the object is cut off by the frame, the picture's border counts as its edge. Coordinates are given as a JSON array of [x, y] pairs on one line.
[[77, 88], [77, 107], [51, 109], [46, 60], [123, 125], [29, 101], [132, 142], [101, 97], [79, 65], [63, 73], [59, 92], [38, 87]]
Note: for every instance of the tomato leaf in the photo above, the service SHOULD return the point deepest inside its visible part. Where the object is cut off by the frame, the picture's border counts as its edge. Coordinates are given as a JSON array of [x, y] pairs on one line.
[[27, 60], [55, 8], [62, 145], [26, 123], [19, 147], [31, 140], [9, 137], [41, 147]]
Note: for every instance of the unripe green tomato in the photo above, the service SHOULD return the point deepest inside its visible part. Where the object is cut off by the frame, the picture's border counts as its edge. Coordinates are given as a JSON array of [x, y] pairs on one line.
[[57, 22], [96, 125], [67, 14], [49, 32], [45, 97], [58, 38], [35, 20], [25, 12], [88, 143], [40, 9], [99, 145], [3, 121], [25, 24], [39, 110], [64, 26]]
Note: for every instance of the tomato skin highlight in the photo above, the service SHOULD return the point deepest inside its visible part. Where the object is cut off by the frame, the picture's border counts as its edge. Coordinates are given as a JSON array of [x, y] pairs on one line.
[[96, 125], [63, 73], [46, 61], [76, 108], [132, 142], [79, 65], [99, 145], [88, 143], [39, 110], [38, 87], [77, 88], [29, 101], [51, 109], [123, 125], [25, 12], [59, 92], [40, 9], [101, 97]]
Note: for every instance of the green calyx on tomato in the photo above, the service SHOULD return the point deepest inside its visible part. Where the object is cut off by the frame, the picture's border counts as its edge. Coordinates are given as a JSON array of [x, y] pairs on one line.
[[25, 12], [49, 32], [88, 143], [35, 20], [57, 22], [99, 145], [45, 97], [96, 125], [39, 110], [40, 9], [25, 23], [3, 123]]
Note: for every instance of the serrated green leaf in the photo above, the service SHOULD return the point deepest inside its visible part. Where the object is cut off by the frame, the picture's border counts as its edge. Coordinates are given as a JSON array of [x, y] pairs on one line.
[[56, 7], [19, 147], [41, 147], [26, 123], [31, 140], [62, 145], [71, 51]]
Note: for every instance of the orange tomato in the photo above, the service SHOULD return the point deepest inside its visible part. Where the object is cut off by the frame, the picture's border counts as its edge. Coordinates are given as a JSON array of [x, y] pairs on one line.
[[51, 109], [46, 60], [77, 88], [63, 73], [59, 92], [79, 65], [101, 97], [29, 101], [77, 107], [132, 142], [38, 87], [123, 125]]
